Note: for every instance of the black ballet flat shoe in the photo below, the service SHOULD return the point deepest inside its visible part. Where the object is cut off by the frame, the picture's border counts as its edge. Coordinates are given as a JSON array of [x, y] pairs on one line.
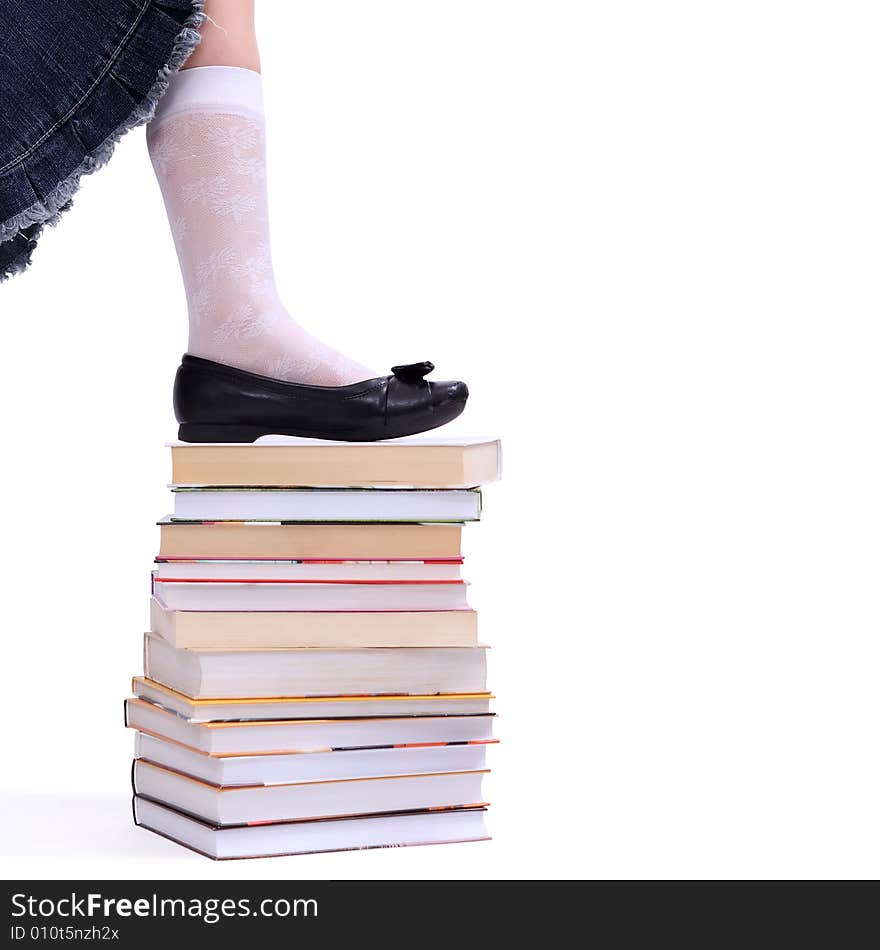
[[218, 403]]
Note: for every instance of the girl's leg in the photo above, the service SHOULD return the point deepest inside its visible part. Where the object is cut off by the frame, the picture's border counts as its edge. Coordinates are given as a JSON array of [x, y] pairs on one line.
[[228, 37], [207, 145]]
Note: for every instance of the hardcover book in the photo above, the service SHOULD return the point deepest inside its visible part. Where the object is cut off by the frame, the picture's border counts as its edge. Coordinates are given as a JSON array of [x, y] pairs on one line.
[[251, 630], [302, 735], [402, 463], [300, 595], [295, 801], [311, 707], [314, 672], [443, 826], [247, 540], [314, 766], [358, 505], [314, 569]]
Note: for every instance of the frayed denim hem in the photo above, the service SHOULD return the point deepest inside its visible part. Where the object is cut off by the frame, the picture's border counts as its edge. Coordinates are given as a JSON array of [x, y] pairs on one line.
[[19, 234]]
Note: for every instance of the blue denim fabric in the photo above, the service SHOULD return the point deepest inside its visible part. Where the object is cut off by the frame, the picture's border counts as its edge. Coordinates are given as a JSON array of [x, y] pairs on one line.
[[74, 76]]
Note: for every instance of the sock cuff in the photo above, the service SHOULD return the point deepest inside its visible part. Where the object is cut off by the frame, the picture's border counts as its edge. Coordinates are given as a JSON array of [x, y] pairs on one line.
[[229, 90]]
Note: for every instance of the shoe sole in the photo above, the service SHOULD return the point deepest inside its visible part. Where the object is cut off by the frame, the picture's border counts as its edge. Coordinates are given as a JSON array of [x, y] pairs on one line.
[[197, 432]]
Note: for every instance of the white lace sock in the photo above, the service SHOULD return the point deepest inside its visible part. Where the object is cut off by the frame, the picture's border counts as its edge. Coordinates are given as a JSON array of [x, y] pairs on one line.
[[207, 144]]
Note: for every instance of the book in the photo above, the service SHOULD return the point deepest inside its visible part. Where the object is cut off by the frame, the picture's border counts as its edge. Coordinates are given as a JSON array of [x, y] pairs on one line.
[[325, 504], [414, 463], [238, 805], [311, 707], [301, 595], [280, 768], [305, 837], [245, 540], [227, 629], [314, 672], [302, 735], [206, 569]]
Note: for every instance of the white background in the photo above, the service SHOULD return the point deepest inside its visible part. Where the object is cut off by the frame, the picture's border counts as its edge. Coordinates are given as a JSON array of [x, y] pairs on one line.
[[647, 235]]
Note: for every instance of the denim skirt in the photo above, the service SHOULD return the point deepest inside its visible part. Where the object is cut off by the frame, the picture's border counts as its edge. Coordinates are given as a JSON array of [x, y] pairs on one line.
[[75, 75]]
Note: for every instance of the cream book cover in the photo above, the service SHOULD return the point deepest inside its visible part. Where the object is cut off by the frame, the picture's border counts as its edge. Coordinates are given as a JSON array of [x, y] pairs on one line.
[[279, 461]]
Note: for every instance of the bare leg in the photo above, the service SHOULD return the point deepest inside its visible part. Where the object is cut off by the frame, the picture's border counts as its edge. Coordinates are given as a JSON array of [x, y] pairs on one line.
[[228, 36]]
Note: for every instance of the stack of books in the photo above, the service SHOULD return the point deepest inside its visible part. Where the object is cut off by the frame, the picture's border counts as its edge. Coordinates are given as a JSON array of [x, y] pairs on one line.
[[313, 680]]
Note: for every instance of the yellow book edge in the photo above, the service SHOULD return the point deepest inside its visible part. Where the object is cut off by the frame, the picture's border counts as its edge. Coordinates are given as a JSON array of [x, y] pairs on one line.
[[152, 684]]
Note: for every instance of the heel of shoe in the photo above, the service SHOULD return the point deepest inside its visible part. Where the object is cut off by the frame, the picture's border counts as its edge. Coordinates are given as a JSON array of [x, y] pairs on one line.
[[196, 432]]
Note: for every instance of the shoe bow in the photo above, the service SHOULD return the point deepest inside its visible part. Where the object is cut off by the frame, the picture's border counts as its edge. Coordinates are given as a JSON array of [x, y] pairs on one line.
[[412, 372]]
